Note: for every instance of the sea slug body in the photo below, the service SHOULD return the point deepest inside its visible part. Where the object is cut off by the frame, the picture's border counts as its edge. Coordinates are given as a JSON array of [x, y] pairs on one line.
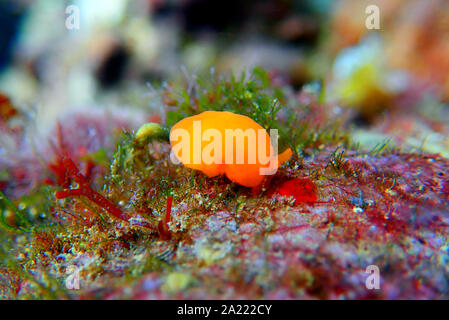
[[209, 142]]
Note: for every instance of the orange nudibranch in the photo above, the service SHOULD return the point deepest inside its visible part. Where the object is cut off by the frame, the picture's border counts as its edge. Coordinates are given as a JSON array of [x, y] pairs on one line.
[[221, 142]]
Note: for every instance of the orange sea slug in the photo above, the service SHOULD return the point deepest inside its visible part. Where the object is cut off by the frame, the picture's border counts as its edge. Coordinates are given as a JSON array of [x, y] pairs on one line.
[[221, 142]]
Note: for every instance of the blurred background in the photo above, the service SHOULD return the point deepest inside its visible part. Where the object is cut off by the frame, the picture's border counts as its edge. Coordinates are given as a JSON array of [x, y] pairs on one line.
[[81, 55]]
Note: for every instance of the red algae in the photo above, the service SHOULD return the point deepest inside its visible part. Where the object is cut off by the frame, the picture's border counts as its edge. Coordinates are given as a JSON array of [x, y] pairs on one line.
[[303, 190], [84, 189], [163, 224]]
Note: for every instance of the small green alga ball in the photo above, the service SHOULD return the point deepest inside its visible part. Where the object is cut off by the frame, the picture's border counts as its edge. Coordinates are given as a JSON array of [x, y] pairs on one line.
[[151, 130]]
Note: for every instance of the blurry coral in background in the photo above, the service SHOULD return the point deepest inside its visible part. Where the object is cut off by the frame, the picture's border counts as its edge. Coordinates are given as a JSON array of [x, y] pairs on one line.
[[401, 67], [124, 44]]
